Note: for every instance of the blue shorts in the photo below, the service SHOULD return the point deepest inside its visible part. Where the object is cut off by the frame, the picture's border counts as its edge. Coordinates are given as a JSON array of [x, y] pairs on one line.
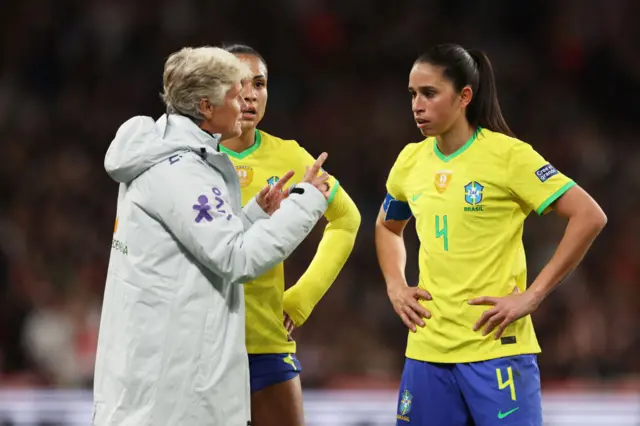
[[269, 369], [498, 392]]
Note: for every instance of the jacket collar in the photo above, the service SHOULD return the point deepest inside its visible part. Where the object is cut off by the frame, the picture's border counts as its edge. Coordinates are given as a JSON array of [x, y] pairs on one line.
[[174, 125]]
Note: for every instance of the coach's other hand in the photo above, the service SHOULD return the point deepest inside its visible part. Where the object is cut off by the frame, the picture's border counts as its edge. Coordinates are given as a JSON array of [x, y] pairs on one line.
[[270, 197]]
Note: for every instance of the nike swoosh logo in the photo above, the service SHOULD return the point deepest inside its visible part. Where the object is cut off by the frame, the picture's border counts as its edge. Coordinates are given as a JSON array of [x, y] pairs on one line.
[[502, 415], [415, 197]]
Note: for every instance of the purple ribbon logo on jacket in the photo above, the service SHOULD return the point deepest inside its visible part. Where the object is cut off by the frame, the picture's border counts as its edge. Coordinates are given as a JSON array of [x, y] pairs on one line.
[[204, 209]]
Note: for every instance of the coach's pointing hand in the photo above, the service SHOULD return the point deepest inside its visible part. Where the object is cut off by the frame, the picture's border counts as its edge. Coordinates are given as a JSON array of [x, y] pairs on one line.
[[319, 181]]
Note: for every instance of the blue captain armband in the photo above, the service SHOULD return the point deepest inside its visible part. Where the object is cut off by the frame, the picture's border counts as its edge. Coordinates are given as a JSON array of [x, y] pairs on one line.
[[396, 210]]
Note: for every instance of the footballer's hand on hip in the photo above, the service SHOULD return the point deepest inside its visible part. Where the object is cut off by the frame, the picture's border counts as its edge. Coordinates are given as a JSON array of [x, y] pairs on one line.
[[504, 311], [289, 325], [406, 303]]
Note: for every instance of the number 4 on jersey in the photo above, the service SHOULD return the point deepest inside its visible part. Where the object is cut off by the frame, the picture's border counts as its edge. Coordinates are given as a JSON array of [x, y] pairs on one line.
[[444, 232]]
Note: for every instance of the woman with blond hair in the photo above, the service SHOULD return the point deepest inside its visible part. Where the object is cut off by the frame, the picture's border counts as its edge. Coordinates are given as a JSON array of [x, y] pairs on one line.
[[171, 349]]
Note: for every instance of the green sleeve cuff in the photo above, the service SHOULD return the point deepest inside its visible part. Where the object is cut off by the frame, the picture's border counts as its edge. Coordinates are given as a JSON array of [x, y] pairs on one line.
[[540, 210], [333, 193]]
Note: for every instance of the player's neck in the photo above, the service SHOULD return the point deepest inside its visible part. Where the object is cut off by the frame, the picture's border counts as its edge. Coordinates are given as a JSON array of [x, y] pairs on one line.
[[455, 138], [242, 142]]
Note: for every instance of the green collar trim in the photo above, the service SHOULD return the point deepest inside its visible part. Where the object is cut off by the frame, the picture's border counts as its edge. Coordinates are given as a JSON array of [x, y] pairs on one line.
[[463, 148], [247, 152]]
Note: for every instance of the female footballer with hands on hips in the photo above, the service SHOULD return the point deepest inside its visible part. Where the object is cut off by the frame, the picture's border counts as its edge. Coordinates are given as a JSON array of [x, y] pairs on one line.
[[470, 184], [272, 312]]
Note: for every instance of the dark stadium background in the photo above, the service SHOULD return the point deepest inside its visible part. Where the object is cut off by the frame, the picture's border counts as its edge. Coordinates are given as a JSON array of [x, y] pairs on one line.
[[72, 71]]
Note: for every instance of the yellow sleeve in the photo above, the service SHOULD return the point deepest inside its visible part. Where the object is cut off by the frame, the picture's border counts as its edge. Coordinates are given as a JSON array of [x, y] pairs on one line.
[[398, 173], [333, 251], [533, 180]]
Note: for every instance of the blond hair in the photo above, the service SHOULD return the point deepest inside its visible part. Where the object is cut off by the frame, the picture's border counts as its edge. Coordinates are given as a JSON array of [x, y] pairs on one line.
[[193, 74]]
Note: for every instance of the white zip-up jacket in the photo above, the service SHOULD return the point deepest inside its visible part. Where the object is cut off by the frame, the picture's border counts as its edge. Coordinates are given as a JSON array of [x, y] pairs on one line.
[[171, 350]]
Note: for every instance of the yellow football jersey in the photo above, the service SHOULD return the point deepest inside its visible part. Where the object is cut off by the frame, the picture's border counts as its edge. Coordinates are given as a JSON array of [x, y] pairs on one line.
[[264, 162], [470, 207]]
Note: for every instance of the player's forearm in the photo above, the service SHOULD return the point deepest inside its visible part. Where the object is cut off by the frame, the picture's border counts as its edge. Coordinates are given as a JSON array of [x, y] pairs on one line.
[[392, 256], [580, 233], [333, 252]]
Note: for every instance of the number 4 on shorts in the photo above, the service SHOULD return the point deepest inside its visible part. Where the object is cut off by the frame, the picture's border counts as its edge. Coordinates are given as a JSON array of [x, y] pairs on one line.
[[508, 384]]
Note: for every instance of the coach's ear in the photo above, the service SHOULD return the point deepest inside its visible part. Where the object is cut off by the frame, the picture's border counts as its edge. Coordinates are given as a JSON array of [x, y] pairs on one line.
[[206, 109]]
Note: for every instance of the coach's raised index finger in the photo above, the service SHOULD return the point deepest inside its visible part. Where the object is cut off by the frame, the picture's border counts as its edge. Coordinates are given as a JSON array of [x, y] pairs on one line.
[[318, 164]]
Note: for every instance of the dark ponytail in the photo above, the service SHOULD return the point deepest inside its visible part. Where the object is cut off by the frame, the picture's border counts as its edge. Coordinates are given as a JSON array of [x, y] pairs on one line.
[[471, 68], [484, 109]]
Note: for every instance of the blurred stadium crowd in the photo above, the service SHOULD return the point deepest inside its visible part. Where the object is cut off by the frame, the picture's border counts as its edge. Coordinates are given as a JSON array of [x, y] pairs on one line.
[[73, 70]]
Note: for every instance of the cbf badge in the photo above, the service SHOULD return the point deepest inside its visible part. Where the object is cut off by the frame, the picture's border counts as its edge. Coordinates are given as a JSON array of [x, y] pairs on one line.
[[245, 175], [404, 408], [443, 177]]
